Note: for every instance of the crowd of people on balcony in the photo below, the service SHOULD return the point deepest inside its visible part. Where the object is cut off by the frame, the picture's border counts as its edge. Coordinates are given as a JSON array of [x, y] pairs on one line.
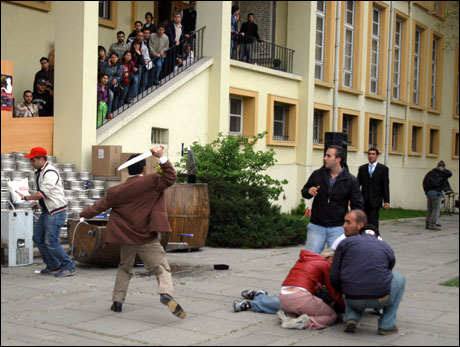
[[149, 54]]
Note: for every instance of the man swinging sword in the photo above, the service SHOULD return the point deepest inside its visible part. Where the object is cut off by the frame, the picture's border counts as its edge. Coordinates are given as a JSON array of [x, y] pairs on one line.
[[138, 217]]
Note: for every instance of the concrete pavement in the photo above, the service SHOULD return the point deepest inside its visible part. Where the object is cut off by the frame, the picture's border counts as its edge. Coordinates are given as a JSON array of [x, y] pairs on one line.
[[44, 310]]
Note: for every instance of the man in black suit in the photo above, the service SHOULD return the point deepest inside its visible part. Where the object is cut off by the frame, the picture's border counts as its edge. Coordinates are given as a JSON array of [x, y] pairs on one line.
[[375, 186]]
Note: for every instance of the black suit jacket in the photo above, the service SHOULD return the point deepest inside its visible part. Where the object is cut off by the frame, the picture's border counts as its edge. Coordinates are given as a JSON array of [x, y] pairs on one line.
[[377, 188]]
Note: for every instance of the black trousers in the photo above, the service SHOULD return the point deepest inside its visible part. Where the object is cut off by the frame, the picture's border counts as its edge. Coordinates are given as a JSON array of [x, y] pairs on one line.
[[373, 214]]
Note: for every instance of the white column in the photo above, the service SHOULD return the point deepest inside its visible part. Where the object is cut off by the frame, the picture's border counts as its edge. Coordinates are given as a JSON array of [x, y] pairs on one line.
[[75, 80], [216, 16]]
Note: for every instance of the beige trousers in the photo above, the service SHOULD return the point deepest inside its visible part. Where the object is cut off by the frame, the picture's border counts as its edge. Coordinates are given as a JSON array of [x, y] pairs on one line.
[[154, 259]]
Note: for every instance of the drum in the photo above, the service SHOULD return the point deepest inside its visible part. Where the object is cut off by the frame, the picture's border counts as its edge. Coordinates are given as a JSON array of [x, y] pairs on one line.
[[87, 245]]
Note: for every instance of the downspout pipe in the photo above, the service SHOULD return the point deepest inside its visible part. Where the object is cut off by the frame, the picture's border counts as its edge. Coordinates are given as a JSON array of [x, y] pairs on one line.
[[336, 68], [389, 85]]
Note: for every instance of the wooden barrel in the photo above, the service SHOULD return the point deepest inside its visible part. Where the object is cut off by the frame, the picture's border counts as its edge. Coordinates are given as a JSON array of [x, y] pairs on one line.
[[87, 245], [188, 213]]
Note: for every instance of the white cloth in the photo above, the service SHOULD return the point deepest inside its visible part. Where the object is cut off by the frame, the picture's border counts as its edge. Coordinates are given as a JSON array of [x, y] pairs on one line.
[[343, 237]]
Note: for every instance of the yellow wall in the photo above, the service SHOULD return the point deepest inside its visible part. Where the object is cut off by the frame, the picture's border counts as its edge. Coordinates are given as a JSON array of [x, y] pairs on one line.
[[107, 36]]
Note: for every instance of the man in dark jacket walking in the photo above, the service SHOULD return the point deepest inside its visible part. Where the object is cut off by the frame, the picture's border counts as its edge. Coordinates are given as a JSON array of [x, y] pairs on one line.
[[433, 184], [362, 271], [333, 188], [375, 186]]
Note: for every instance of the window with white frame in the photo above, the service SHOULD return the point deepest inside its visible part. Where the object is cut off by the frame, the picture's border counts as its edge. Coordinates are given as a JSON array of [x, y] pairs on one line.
[[160, 136], [236, 116], [373, 129], [104, 9], [318, 118], [281, 113], [349, 42], [375, 47], [319, 48], [397, 61], [415, 136], [434, 72], [416, 87]]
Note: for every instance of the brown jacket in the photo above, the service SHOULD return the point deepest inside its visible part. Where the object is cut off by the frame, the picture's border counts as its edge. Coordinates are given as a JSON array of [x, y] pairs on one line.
[[138, 208]]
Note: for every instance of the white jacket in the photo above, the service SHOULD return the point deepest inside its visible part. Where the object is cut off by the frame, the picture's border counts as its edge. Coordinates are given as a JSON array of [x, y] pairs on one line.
[[49, 185]]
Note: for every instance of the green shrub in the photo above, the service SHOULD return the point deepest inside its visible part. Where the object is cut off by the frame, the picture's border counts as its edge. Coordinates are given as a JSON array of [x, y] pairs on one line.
[[242, 215]]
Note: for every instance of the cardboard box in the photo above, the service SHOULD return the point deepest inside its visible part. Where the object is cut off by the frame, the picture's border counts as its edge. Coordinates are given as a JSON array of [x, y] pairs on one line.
[[106, 160], [151, 164]]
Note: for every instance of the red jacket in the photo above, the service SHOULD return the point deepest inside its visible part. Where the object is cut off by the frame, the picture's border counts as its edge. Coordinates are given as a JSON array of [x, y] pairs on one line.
[[312, 272]]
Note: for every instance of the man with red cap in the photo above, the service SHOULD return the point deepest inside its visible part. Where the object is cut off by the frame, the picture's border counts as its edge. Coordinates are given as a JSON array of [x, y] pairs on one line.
[[50, 195]]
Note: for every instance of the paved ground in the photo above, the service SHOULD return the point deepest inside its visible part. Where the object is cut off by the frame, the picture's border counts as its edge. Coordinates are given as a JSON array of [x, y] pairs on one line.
[[44, 310]]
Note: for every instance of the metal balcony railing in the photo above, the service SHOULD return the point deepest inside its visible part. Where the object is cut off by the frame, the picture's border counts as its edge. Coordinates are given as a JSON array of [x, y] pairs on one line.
[[262, 53], [172, 67]]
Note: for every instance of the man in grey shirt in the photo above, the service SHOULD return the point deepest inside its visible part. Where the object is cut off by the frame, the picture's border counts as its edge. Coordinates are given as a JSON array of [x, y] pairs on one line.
[[158, 45], [119, 47]]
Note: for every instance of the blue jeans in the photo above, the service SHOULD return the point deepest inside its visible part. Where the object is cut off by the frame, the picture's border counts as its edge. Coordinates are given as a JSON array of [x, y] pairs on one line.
[[157, 69], [354, 308], [317, 236], [266, 304], [131, 88], [46, 237], [110, 101], [432, 210]]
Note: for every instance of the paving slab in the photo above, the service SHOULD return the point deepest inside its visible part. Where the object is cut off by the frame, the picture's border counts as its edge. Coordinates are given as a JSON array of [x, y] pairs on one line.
[[44, 310]]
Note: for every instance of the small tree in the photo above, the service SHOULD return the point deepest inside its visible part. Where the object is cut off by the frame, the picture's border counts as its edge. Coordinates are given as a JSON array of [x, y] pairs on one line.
[[241, 212]]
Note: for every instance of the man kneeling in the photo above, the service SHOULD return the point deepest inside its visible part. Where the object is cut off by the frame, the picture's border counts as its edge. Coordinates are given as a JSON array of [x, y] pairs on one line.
[[297, 306]]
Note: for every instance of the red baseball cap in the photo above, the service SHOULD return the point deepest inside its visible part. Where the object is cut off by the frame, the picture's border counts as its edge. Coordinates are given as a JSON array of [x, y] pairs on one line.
[[36, 152]]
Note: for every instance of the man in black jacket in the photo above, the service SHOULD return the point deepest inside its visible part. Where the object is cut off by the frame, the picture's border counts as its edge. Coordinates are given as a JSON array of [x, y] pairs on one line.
[[362, 271], [333, 188], [375, 186], [189, 20], [248, 33], [434, 184]]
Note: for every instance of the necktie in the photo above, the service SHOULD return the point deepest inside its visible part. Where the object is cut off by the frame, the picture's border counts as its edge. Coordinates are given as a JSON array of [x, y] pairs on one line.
[[371, 169]]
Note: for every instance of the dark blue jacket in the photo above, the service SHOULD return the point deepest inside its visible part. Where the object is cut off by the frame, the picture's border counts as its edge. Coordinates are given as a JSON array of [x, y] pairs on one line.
[[362, 267]]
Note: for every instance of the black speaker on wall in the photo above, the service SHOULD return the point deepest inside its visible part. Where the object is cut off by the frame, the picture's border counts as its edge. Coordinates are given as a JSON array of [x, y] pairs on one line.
[[338, 139]]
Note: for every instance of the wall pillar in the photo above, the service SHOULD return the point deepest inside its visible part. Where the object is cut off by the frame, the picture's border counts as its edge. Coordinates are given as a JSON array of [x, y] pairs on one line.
[[216, 16], [75, 81]]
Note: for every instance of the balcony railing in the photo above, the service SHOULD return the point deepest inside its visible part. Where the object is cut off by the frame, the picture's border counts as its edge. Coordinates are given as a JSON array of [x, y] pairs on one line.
[[262, 53], [171, 67]]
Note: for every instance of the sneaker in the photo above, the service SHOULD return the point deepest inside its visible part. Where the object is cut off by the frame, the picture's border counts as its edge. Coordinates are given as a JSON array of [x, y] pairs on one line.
[[109, 116], [243, 305], [116, 306], [388, 332], [250, 294], [287, 322], [174, 307], [350, 326], [65, 273], [46, 271], [434, 228]]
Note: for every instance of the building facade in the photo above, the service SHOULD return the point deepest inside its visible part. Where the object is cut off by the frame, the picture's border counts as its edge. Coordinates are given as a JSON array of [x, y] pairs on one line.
[[294, 107]]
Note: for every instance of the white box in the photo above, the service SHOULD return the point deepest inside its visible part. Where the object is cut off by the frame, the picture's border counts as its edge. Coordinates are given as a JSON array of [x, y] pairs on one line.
[[17, 232]]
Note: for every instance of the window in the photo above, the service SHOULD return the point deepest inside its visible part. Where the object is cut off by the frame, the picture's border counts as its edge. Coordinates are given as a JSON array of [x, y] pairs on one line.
[[397, 60], [321, 124], [432, 146], [319, 48], [415, 138], [160, 136], [351, 47], [400, 58], [456, 88], [436, 66], [236, 116], [243, 110], [349, 36], [455, 144], [419, 67], [437, 8], [397, 136], [349, 125], [282, 121], [375, 50], [374, 128], [108, 14]]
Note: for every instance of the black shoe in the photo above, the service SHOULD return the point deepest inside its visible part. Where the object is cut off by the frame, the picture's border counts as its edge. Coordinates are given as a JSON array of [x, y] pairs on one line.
[[250, 294], [116, 306], [174, 307], [243, 305], [350, 326]]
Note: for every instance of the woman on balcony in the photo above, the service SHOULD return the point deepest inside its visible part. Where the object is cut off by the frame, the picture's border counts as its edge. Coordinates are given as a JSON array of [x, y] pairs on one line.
[[128, 79], [139, 63]]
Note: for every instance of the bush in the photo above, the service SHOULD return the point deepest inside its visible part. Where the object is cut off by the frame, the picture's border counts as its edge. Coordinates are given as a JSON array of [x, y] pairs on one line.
[[241, 213]]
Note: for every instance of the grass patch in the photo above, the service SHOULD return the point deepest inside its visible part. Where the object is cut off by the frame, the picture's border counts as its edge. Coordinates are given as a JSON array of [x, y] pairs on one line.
[[392, 213], [451, 283]]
